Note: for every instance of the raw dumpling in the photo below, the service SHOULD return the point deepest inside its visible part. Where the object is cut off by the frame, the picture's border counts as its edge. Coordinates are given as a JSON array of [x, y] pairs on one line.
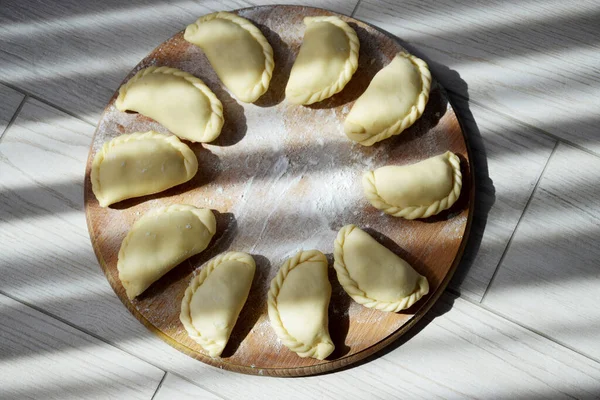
[[326, 62], [138, 164], [394, 100], [299, 302], [374, 276], [239, 53], [415, 191], [178, 100], [213, 300], [159, 241]]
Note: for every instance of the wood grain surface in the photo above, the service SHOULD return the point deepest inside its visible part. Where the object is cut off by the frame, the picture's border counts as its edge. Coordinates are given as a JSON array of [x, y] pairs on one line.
[[508, 160], [37, 352], [281, 178], [8, 105], [535, 62], [463, 352], [549, 279]]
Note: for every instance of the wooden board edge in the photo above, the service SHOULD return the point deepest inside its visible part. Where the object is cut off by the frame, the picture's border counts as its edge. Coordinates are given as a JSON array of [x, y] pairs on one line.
[[332, 366]]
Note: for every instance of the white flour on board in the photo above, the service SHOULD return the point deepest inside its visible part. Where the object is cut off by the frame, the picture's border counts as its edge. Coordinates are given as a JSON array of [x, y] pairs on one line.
[[281, 178], [301, 189]]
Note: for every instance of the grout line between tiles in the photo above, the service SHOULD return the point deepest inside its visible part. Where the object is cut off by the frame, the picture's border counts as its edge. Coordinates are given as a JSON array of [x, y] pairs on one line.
[[533, 127], [46, 102], [451, 291], [159, 385], [469, 100], [558, 139], [66, 322], [14, 117], [507, 248], [526, 327], [526, 124], [106, 341], [355, 8], [220, 396]]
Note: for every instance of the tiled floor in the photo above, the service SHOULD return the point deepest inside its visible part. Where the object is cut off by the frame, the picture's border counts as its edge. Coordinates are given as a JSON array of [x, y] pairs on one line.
[[525, 82], [550, 277], [11, 99], [536, 62], [46, 358], [509, 158]]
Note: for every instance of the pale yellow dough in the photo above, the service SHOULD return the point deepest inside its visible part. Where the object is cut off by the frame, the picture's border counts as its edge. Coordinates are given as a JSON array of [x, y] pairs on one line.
[[159, 241], [214, 299], [326, 62], [418, 190], [239, 53], [299, 302], [139, 164], [178, 100], [394, 100], [373, 275]]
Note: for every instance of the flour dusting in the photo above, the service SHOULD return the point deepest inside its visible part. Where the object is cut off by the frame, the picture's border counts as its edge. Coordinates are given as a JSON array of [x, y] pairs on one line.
[[283, 178]]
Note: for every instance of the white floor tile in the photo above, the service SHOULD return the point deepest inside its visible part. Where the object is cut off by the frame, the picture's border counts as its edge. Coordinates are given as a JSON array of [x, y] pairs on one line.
[[75, 53], [536, 61], [465, 352], [508, 159], [9, 103], [174, 387], [549, 279], [44, 358]]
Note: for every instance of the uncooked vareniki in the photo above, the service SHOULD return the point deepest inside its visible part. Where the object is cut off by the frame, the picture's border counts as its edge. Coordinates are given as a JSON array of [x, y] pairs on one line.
[[139, 164], [159, 241], [178, 100], [418, 190], [214, 299], [298, 305], [373, 275], [394, 100], [326, 62], [239, 53]]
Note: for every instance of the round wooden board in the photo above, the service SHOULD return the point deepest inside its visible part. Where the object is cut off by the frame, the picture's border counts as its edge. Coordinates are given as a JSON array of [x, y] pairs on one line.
[[282, 178]]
